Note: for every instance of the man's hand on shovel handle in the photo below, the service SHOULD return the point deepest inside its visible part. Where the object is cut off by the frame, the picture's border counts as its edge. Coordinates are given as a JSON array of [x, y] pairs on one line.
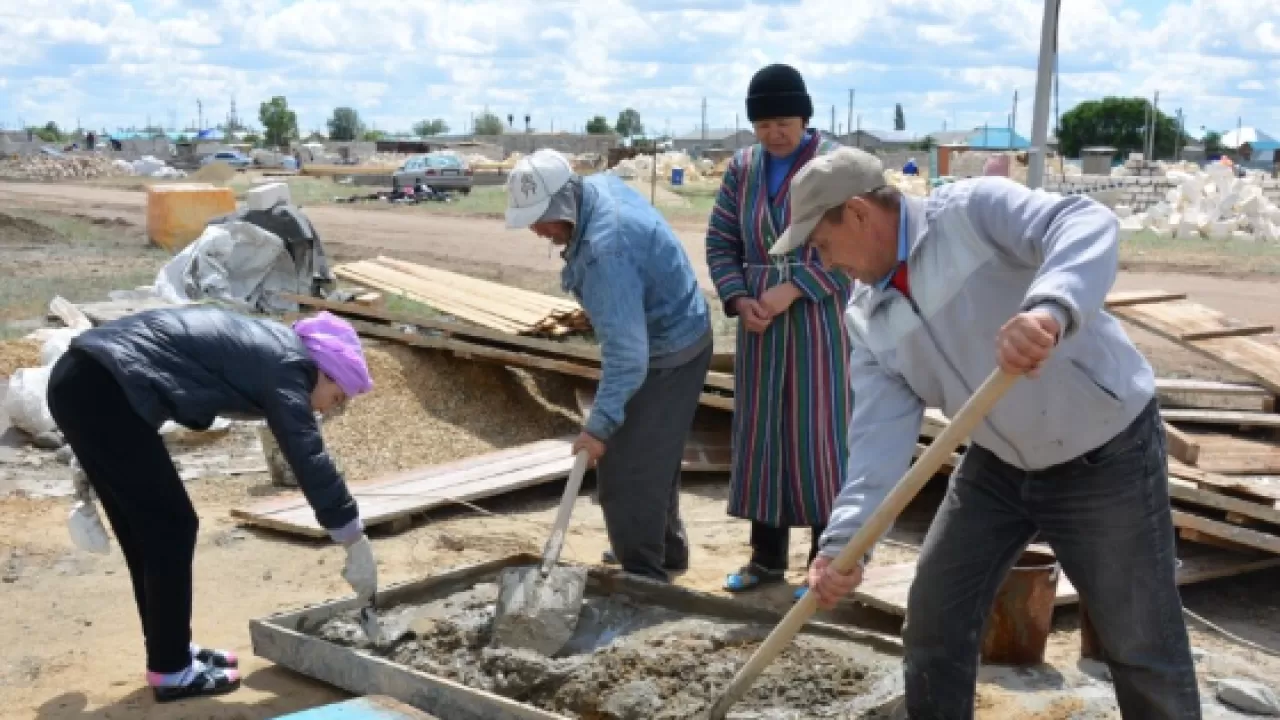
[[593, 446], [1026, 341], [830, 585]]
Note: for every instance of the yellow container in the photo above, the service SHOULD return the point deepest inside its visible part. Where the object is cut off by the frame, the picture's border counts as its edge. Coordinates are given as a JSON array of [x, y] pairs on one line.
[[177, 214]]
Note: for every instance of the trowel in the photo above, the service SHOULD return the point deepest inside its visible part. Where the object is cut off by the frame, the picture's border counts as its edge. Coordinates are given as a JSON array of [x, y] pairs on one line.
[[538, 607]]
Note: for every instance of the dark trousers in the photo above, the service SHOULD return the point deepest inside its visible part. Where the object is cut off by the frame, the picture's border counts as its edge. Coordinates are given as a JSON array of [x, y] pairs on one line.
[[638, 477], [1106, 516], [770, 545], [142, 495]]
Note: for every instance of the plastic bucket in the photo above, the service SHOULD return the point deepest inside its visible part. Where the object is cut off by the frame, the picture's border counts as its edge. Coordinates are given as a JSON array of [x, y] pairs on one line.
[[677, 176], [1022, 615]]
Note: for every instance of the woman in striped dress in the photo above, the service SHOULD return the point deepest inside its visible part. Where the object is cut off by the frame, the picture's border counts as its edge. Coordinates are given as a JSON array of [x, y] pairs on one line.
[[792, 396]]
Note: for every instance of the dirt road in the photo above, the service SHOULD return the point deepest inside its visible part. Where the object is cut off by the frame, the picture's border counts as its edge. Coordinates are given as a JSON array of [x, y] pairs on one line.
[[484, 244]]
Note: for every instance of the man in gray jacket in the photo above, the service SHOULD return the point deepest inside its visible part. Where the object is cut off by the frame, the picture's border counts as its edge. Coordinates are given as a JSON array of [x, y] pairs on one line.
[[980, 274]]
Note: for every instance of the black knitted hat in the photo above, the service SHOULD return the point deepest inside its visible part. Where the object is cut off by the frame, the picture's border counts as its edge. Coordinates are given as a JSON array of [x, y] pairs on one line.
[[778, 91]]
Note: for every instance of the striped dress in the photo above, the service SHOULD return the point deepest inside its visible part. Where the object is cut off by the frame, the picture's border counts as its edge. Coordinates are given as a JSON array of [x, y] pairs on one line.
[[791, 386]]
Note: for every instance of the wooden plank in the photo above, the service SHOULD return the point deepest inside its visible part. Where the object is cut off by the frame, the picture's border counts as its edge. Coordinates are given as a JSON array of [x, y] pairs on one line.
[[1231, 455], [1227, 531], [1187, 491], [886, 587], [442, 297], [1241, 418], [1225, 484], [498, 292], [1241, 331], [415, 491], [465, 313], [1200, 538], [1211, 387], [1181, 446], [1247, 355], [1141, 297], [506, 357]]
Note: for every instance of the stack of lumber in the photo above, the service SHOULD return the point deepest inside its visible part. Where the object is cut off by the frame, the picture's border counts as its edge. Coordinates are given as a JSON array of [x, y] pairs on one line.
[[576, 359], [1224, 449], [488, 304]]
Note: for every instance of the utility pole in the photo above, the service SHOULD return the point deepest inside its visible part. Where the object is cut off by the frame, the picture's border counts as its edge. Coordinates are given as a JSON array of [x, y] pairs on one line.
[[1013, 119], [849, 124], [1151, 136], [833, 120], [199, 116], [1040, 111]]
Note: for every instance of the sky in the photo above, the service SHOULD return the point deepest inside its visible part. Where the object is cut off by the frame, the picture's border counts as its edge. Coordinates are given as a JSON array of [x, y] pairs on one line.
[[950, 63]]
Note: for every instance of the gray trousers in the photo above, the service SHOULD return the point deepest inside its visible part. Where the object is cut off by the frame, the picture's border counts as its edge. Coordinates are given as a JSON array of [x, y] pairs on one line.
[[1106, 515], [638, 478]]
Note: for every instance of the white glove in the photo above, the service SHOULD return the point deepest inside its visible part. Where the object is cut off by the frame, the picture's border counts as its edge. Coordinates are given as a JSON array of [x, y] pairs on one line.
[[87, 532], [361, 570]]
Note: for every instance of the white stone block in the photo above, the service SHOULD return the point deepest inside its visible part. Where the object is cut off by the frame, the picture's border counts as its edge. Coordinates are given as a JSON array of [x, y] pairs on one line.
[[1123, 211], [264, 197]]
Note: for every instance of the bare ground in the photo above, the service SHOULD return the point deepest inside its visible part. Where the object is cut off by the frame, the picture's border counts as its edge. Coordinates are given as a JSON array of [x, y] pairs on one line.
[[68, 629]]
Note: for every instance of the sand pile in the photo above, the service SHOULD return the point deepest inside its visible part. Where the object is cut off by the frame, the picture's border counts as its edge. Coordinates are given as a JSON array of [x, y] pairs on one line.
[[430, 407], [15, 354], [629, 661], [61, 167]]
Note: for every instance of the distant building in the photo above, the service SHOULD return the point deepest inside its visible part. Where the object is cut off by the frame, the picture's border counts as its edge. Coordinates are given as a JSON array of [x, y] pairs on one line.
[[713, 139], [996, 138]]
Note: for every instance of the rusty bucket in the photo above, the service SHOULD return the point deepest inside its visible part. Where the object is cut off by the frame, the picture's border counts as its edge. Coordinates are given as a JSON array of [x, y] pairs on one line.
[[1021, 617]]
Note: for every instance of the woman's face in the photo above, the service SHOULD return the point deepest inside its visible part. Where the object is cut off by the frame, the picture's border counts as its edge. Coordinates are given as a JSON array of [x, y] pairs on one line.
[[327, 398], [780, 136]]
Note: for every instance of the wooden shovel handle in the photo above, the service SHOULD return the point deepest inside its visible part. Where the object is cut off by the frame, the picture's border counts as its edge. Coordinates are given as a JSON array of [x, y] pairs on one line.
[[551, 553], [961, 426]]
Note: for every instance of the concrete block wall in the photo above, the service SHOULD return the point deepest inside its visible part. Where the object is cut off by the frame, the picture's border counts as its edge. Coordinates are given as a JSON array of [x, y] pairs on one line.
[[1140, 193]]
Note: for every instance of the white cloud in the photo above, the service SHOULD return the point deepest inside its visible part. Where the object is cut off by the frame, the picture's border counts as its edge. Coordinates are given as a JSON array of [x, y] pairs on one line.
[[115, 63]]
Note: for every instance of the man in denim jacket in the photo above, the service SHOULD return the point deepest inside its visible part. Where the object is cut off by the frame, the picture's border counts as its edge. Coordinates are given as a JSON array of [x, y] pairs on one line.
[[979, 274], [632, 276]]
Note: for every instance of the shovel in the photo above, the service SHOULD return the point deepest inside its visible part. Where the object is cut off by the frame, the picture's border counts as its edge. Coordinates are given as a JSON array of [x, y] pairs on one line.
[[973, 412], [538, 606]]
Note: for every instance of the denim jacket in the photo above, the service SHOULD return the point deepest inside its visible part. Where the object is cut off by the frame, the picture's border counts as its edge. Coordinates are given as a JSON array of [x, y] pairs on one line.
[[632, 276]]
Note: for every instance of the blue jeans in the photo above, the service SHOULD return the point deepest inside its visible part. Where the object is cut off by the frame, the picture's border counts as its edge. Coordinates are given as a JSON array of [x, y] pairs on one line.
[[1106, 516]]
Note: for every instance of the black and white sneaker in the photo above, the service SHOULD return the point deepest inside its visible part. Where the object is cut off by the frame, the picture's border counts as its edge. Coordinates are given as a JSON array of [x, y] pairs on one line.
[[204, 682]]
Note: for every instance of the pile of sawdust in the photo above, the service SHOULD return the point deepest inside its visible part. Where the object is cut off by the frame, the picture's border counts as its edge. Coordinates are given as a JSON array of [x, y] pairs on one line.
[[429, 407], [15, 354]]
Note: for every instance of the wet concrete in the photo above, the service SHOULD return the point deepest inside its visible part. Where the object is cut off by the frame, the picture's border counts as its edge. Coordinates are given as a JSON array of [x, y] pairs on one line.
[[628, 661]]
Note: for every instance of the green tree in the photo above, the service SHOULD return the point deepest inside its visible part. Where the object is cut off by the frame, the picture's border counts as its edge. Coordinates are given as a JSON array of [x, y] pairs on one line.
[[280, 124], [598, 125], [1115, 122], [899, 118], [427, 128], [48, 133], [1212, 143], [629, 123], [253, 139], [372, 135], [487, 124], [345, 124]]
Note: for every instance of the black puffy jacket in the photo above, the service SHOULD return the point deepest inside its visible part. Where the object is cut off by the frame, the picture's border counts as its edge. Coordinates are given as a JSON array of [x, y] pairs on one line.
[[192, 364]]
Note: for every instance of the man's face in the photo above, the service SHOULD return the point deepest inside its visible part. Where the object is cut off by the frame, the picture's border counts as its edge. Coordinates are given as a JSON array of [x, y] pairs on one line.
[[558, 232], [858, 239]]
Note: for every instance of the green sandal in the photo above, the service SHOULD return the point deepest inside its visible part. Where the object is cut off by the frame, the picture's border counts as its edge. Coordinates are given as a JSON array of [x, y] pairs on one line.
[[752, 576]]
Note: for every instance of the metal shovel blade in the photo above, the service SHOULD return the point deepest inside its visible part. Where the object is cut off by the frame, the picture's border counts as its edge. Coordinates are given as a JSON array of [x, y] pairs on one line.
[[538, 612]]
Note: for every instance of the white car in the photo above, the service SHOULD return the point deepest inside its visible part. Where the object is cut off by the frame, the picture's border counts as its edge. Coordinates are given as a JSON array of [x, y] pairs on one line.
[[437, 170]]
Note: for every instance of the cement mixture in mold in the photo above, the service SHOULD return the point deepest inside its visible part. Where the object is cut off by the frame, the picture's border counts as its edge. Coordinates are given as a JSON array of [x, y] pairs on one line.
[[628, 662]]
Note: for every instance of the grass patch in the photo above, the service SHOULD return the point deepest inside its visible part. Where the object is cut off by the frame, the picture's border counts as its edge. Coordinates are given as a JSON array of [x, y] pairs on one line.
[[1145, 251], [81, 260]]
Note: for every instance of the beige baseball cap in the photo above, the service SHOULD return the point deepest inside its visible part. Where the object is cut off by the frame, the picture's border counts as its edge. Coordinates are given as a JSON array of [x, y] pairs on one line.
[[824, 182]]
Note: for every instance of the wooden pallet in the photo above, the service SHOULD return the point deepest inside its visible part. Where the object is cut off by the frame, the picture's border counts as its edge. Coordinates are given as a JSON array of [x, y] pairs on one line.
[[405, 494], [886, 588]]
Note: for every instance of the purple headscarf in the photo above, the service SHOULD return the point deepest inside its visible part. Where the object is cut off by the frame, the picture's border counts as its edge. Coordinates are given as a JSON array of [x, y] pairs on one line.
[[334, 346]]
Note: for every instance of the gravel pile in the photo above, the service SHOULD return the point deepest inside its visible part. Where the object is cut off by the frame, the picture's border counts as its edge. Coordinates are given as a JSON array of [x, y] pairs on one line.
[[50, 167]]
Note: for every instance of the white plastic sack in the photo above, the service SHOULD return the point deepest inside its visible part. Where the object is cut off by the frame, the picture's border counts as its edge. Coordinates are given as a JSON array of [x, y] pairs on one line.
[[26, 405], [56, 344], [237, 263]]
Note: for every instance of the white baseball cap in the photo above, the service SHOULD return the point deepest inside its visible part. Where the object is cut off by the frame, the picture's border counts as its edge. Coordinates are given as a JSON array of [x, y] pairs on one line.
[[532, 182], [824, 182]]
